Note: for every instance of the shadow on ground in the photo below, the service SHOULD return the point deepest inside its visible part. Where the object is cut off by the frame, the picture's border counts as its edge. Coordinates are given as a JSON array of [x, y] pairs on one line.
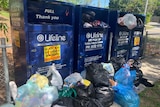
[[154, 24], [152, 60], [151, 68]]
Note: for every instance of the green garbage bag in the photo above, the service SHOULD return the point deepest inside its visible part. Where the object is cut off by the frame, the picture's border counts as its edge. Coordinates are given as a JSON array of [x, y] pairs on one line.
[[67, 92]]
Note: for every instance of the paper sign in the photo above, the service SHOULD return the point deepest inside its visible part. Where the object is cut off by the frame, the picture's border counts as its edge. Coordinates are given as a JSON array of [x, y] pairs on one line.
[[136, 41], [52, 53]]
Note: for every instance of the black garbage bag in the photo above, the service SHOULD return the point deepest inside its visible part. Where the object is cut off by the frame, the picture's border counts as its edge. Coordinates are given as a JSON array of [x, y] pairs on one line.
[[64, 102], [117, 62], [97, 75], [139, 76], [86, 102], [105, 95], [88, 16], [145, 82], [139, 73], [85, 91]]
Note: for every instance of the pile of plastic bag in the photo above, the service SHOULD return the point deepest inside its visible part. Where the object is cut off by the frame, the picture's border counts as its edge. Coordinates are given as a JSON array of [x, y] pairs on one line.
[[76, 90], [37, 92], [90, 88]]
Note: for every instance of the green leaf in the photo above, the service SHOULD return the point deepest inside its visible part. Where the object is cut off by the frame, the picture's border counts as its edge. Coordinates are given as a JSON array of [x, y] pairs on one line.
[[4, 29]]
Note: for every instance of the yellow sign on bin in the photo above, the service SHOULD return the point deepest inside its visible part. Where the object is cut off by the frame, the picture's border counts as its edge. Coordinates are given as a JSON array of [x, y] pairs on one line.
[[52, 53], [136, 41]]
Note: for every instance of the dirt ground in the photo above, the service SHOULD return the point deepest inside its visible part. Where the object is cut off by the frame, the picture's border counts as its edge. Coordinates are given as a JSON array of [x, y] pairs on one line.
[[151, 68]]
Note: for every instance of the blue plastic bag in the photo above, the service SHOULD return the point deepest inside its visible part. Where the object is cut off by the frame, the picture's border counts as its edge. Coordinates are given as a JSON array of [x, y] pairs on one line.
[[126, 97], [125, 76], [124, 90]]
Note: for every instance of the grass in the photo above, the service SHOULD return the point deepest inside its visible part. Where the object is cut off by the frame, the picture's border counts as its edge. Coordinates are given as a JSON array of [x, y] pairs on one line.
[[150, 97], [4, 13], [154, 39]]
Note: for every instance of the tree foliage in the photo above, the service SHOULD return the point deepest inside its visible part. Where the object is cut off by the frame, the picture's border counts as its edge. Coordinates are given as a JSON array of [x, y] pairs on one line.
[[4, 29], [134, 6], [117, 5], [4, 4], [152, 6], [3, 26], [157, 10]]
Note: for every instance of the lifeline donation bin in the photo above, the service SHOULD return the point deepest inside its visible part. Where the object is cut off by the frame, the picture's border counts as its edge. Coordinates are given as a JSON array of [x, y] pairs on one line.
[[42, 34], [136, 50], [126, 42], [121, 36], [91, 31]]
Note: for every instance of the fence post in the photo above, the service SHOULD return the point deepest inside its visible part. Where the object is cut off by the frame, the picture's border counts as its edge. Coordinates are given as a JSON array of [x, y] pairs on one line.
[[145, 44], [5, 66]]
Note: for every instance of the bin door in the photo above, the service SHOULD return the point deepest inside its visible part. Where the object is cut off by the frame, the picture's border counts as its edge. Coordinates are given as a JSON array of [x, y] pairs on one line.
[[136, 43], [92, 47], [121, 42], [52, 46]]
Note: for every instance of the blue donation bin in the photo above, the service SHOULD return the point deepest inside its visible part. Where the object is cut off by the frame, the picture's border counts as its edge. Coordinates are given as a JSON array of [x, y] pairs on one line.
[[136, 50], [126, 43], [42, 34], [91, 32]]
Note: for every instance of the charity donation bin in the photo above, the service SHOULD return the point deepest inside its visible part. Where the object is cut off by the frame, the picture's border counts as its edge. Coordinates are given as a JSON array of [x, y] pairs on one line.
[[126, 36], [136, 50], [42, 34], [91, 31], [121, 36]]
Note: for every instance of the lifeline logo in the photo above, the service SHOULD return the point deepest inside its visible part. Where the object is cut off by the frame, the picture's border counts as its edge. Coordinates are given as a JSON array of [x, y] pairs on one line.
[[51, 38]]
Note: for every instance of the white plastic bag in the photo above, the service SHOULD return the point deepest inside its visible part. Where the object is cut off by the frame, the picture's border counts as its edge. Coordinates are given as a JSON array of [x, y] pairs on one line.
[[13, 89], [72, 79], [128, 20], [109, 68], [56, 77]]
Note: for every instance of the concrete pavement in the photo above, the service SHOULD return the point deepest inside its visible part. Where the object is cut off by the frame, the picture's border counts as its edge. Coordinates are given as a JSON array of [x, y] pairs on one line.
[[151, 70], [151, 64], [153, 29]]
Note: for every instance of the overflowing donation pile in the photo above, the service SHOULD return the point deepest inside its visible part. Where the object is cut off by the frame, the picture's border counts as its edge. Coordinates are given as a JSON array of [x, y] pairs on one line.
[[99, 85]]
